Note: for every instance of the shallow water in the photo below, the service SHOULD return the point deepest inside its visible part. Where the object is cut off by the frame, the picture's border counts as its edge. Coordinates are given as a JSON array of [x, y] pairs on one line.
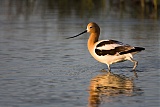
[[39, 68]]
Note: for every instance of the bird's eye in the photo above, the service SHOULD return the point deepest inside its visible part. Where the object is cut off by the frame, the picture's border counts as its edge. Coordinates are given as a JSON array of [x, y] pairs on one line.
[[91, 27]]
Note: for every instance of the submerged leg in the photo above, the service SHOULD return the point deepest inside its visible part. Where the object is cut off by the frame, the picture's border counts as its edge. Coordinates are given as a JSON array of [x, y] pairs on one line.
[[135, 63], [135, 74]]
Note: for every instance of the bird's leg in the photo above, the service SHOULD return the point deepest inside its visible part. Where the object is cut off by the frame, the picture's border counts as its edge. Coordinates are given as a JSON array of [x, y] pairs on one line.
[[135, 63], [109, 69]]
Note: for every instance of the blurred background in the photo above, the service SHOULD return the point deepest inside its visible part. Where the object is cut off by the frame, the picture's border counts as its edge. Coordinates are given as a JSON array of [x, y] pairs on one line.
[[25, 9]]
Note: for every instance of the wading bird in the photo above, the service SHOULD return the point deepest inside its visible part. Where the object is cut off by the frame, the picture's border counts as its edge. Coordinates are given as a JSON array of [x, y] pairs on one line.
[[108, 51]]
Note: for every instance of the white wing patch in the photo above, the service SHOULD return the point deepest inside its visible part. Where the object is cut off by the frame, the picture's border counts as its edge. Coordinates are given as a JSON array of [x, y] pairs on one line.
[[109, 44], [108, 47]]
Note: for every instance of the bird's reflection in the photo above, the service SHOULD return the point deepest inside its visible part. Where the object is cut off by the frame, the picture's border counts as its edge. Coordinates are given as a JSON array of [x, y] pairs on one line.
[[107, 85]]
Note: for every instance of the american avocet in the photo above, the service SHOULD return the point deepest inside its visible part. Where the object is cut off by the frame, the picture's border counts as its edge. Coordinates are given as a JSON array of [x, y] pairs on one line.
[[108, 51]]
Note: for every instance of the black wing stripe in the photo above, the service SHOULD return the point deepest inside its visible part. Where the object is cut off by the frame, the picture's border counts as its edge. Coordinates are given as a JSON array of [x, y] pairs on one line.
[[104, 52]]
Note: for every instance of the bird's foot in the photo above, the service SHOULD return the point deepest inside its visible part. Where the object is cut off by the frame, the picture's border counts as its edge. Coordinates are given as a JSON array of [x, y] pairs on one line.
[[109, 71], [135, 73], [106, 70]]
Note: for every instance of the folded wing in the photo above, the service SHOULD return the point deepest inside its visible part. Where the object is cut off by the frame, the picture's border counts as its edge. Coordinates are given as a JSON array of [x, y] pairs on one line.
[[112, 47]]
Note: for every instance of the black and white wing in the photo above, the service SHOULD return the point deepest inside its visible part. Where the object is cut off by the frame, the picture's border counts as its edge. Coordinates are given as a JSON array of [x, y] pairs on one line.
[[113, 47]]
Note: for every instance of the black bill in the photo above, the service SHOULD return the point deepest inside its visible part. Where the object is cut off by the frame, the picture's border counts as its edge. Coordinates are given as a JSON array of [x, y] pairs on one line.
[[77, 35]]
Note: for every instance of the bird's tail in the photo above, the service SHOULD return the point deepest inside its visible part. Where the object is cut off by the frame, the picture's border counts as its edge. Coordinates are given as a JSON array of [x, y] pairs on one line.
[[133, 51], [139, 49]]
